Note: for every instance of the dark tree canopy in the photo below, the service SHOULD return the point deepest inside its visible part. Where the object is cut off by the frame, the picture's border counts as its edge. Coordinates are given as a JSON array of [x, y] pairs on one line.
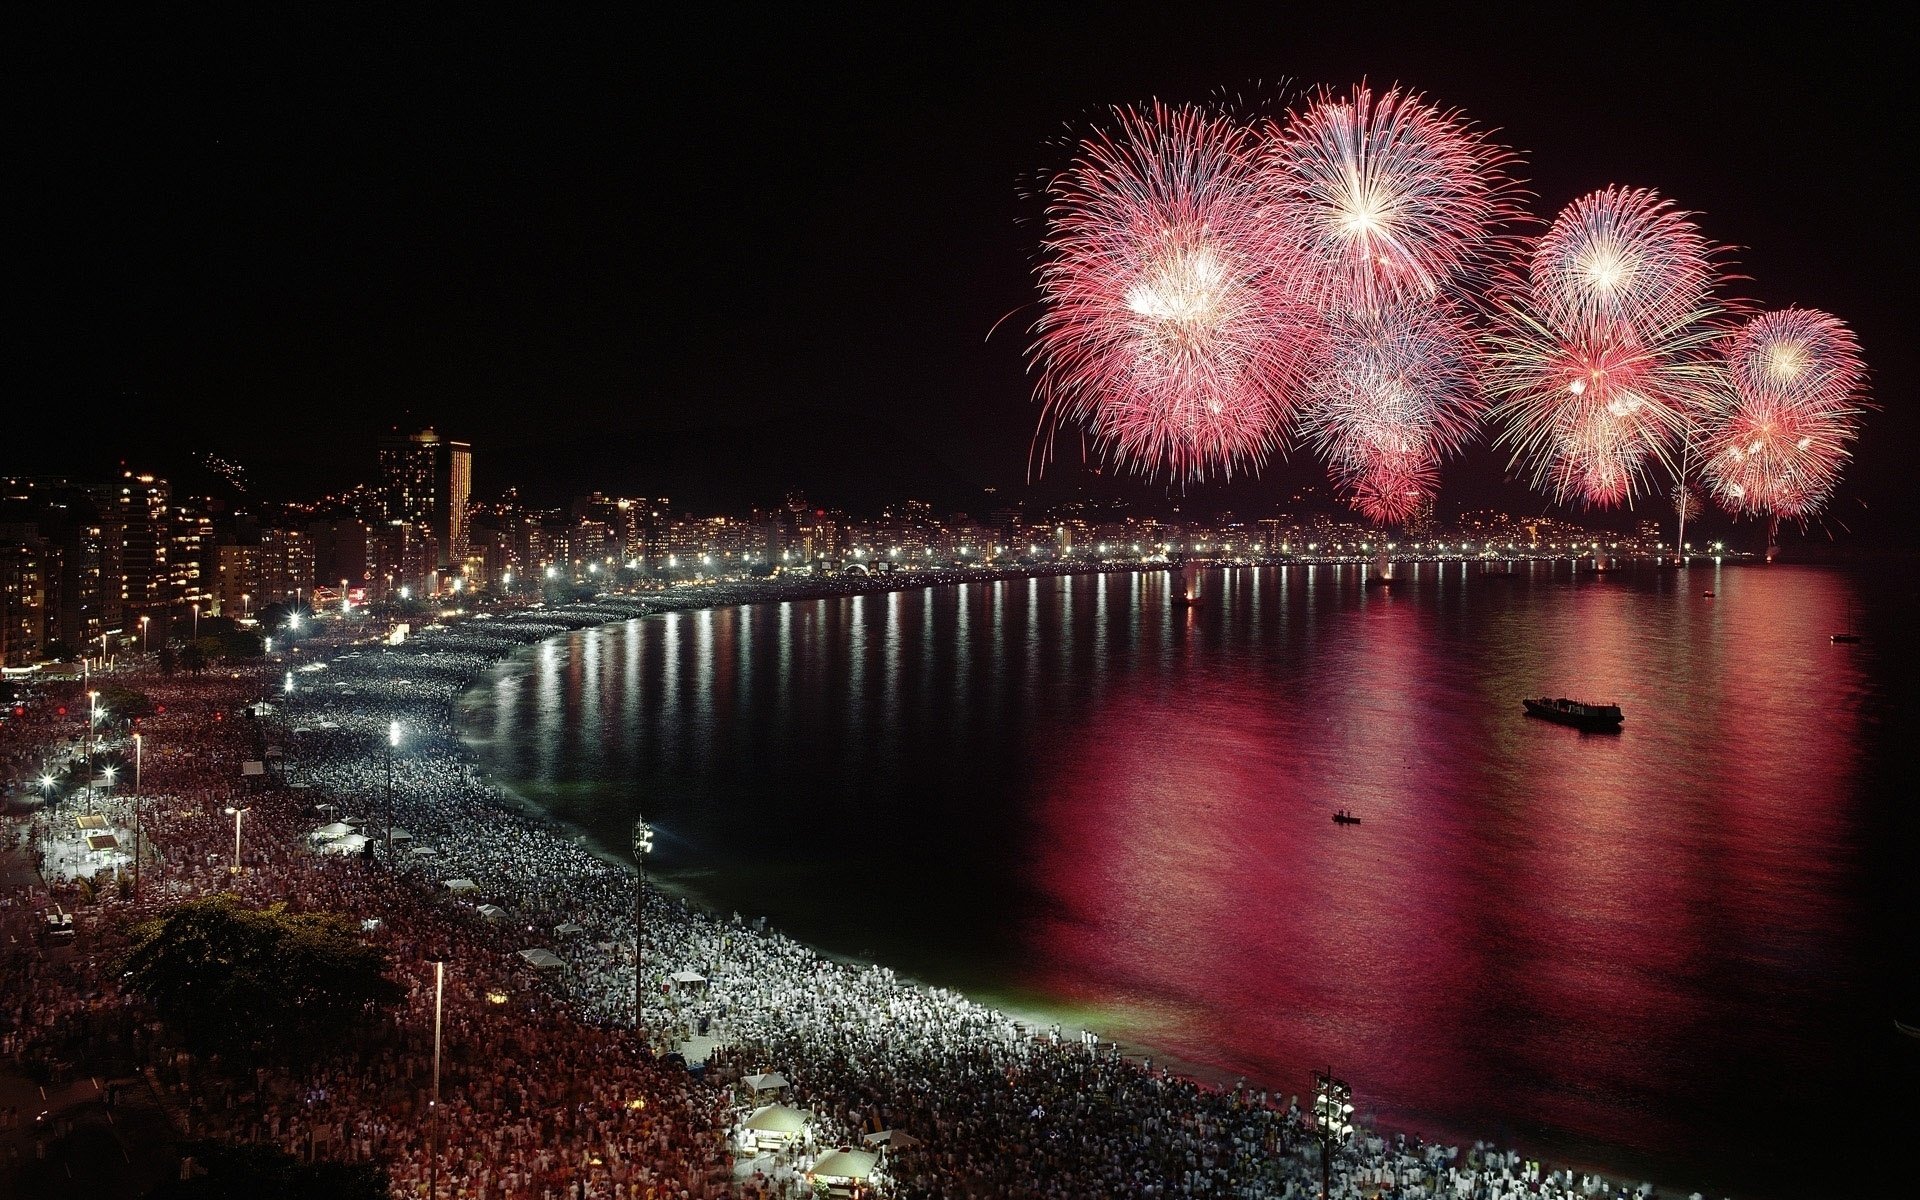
[[228, 975]]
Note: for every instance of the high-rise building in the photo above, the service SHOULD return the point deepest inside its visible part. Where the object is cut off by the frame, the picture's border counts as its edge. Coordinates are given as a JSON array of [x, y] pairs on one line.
[[426, 481]]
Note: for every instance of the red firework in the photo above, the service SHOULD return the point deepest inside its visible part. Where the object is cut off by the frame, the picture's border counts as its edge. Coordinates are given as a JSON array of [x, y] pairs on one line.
[[1620, 255], [1167, 326], [1589, 409], [1776, 444], [1384, 197], [1395, 391]]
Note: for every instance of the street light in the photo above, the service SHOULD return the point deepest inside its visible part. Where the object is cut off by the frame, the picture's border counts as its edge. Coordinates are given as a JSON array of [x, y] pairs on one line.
[[143, 635], [136, 815], [1332, 1121], [196, 620], [439, 994], [642, 846], [393, 743], [236, 814]]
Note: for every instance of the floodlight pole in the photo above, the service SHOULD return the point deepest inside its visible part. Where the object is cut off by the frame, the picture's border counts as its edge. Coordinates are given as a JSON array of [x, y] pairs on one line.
[[1332, 1110], [642, 846]]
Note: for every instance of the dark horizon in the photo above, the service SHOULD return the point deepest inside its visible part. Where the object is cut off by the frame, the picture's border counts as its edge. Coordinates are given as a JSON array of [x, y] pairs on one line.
[[769, 257]]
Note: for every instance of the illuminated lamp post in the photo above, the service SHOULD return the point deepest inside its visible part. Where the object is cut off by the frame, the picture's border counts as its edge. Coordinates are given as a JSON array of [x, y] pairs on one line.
[[393, 743], [439, 995], [236, 814], [136, 816], [143, 634], [642, 846], [1332, 1121]]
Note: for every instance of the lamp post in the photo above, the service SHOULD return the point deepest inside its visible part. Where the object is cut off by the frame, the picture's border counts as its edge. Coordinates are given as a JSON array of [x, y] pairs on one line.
[[433, 1157], [393, 743], [236, 814], [93, 718], [1332, 1121], [143, 634], [136, 816], [642, 846], [196, 620]]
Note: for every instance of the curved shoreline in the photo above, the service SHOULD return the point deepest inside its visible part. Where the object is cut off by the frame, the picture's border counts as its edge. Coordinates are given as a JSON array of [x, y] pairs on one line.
[[1202, 1074]]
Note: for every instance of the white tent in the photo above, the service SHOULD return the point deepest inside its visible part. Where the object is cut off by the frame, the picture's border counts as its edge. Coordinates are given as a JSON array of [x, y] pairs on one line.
[[493, 912], [462, 885], [892, 1139], [845, 1164], [771, 1081], [352, 843], [569, 928], [687, 978], [330, 831], [401, 835], [424, 852], [776, 1122], [543, 960]]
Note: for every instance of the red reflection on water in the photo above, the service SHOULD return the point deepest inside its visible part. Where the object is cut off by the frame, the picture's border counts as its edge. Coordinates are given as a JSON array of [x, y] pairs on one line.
[[1582, 930]]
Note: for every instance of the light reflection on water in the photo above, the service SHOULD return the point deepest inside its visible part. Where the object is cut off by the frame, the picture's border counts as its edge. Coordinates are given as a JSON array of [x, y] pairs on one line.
[[1636, 949]]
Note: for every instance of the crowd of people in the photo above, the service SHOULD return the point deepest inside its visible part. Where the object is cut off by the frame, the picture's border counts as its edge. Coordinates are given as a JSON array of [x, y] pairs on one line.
[[617, 1064]]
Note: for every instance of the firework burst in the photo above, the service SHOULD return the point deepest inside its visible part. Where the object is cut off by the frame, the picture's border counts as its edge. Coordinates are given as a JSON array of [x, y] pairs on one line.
[[1395, 392], [1168, 328], [1601, 357], [1620, 255], [1588, 410], [1777, 442], [1384, 197]]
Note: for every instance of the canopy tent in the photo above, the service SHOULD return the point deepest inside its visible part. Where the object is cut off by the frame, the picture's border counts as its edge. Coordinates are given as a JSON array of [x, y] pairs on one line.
[[780, 1120], [687, 977], [493, 912], [352, 843], [892, 1139], [845, 1164], [543, 960], [91, 821], [253, 766], [771, 1081], [102, 841], [462, 885], [569, 928], [424, 852], [401, 835], [330, 831]]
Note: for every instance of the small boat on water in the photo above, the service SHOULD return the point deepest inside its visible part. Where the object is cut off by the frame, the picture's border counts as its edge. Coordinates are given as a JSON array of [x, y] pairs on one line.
[[1602, 717], [1846, 638], [1343, 817]]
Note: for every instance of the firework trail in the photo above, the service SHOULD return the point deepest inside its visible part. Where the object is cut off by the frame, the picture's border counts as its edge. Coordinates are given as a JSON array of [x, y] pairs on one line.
[[1394, 393], [1601, 357], [1168, 327], [1777, 442], [1384, 198]]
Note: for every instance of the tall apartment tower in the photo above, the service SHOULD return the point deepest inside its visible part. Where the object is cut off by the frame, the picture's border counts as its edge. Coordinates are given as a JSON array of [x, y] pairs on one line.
[[426, 480]]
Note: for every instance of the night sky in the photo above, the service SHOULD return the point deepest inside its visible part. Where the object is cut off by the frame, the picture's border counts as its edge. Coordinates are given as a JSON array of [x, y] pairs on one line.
[[716, 254]]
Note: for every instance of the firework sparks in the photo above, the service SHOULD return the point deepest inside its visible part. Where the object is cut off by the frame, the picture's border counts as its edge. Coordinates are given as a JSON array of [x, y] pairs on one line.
[[1168, 329], [1621, 255], [1395, 392], [1603, 363], [1776, 444], [1384, 197]]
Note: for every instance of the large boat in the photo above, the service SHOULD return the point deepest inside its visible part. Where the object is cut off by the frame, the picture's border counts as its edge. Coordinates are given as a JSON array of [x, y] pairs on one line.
[[1575, 713]]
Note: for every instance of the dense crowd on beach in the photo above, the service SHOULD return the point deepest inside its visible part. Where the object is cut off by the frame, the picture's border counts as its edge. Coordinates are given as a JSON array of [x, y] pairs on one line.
[[551, 1088]]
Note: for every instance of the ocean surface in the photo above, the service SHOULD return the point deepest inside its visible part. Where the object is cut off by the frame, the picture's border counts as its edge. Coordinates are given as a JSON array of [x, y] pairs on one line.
[[1675, 952]]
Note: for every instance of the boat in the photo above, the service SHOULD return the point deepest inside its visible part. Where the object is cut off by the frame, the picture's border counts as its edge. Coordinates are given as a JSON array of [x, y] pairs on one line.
[[1708, 595], [1910, 1030], [1847, 638], [1573, 712], [1343, 817]]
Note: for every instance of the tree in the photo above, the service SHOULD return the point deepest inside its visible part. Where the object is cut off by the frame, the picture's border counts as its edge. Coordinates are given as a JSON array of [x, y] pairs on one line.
[[229, 976], [249, 1172], [193, 658]]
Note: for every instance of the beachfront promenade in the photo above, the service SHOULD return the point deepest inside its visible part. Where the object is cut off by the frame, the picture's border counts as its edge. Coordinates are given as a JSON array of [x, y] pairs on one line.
[[548, 1089]]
